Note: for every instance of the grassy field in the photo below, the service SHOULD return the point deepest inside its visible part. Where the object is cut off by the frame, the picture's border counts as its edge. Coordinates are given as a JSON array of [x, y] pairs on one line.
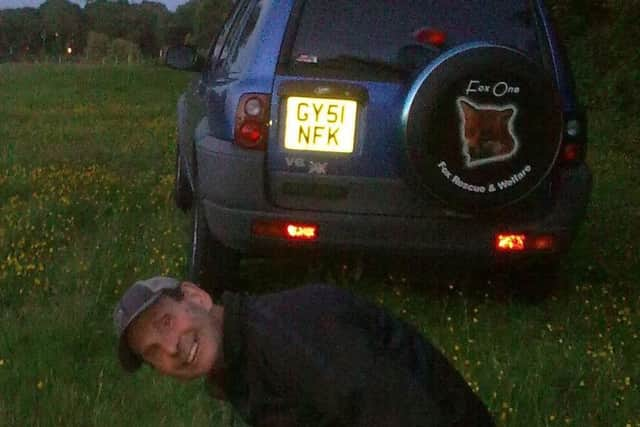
[[86, 162]]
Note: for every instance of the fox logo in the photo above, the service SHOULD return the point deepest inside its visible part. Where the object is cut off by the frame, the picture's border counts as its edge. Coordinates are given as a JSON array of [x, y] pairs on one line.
[[486, 132]]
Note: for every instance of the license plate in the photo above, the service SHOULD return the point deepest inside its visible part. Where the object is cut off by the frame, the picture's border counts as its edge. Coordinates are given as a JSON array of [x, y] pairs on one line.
[[320, 124]]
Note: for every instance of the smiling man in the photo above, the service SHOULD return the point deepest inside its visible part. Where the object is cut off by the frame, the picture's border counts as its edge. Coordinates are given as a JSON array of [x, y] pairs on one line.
[[173, 327], [311, 356]]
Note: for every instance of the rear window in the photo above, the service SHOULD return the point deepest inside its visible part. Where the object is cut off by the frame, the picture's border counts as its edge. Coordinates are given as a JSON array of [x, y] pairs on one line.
[[348, 38]]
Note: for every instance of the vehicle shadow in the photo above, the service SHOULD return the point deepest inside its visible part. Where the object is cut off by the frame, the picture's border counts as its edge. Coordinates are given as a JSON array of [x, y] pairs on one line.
[[435, 278]]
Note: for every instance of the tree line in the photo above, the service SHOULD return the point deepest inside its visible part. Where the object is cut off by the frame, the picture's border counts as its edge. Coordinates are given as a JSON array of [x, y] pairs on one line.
[[106, 28], [103, 28]]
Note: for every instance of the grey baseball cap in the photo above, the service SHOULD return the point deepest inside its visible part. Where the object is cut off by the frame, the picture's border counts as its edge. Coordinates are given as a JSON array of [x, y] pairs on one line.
[[140, 296]]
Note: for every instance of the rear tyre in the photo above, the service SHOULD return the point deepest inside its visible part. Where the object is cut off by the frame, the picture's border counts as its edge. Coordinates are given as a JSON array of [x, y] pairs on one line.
[[211, 265], [182, 193]]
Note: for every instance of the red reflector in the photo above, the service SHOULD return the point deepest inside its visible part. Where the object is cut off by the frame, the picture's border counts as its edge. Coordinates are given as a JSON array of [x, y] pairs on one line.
[[266, 229], [430, 36], [510, 242], [543, 243], [285, 230]]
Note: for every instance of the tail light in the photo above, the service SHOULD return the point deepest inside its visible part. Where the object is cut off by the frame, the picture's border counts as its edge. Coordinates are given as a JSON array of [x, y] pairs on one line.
[[574, 140], [571, 153], [252, 121], [518, 242]]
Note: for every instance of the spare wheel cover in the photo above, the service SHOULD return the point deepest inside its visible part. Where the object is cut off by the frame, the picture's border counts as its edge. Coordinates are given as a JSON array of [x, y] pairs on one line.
[[482, 127]]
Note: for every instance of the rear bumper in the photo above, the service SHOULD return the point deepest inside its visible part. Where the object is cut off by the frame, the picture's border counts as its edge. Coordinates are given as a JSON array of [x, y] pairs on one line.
[[234, 196]]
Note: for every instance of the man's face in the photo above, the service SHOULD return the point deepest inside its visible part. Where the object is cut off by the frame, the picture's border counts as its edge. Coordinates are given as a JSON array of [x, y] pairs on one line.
[[182, 339]]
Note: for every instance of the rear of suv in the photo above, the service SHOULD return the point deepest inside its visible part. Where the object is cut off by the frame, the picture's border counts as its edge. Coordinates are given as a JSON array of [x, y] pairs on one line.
[[446, 128]]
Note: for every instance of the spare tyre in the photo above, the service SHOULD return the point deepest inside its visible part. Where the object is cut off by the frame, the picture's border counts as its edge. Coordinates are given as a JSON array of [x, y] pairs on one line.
[[482, 127]]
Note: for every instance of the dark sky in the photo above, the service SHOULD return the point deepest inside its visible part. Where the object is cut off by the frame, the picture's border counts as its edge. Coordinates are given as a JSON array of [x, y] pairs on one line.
[[6, 4]]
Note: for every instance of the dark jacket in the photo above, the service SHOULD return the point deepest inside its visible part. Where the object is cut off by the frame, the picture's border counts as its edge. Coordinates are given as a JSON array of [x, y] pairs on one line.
[[320, 356]]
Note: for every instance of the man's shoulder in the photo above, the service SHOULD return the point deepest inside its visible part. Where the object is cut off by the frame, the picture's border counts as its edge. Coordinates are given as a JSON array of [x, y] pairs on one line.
[[319, 290], [313, 292], [300, 306], [312, 297], [315, 288]]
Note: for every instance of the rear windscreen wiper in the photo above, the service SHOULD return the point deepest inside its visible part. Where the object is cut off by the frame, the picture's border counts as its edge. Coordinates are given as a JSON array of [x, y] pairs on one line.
[[349, 61]]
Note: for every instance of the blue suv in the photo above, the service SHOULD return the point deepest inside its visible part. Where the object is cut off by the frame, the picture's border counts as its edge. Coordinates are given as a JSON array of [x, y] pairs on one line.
[[446, 128]]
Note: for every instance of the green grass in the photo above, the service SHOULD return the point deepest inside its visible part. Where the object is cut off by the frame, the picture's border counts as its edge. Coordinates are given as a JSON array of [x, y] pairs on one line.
[[86, 162]]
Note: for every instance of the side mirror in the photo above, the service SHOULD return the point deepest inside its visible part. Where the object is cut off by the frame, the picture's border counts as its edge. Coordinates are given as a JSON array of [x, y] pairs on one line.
[[183, 57]]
